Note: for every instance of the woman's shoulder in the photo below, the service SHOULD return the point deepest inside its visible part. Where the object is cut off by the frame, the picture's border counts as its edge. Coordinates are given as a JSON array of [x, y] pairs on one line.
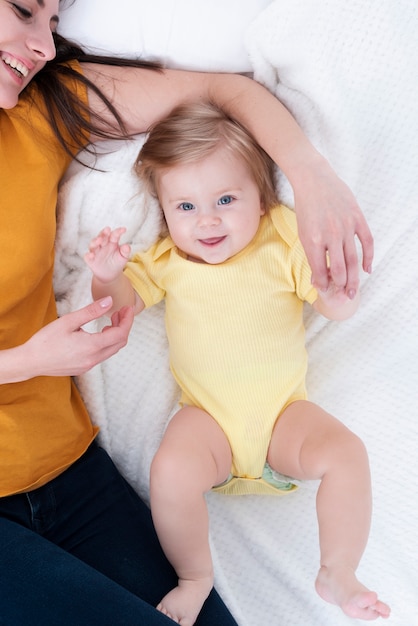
[[39, 107]]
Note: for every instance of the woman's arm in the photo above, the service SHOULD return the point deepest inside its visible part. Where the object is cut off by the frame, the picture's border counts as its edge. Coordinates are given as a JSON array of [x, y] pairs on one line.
[[329, 218], [63, 348]]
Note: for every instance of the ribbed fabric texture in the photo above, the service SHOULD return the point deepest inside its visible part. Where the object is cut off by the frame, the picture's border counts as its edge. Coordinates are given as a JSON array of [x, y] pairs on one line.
[[235, 331]]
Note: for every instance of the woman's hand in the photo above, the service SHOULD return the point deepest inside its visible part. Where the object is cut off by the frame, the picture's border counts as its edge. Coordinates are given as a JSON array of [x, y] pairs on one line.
[[329, 220], [63, 348], [335, 304]]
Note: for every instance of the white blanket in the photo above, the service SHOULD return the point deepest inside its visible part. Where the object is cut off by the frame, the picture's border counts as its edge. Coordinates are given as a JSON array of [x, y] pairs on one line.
[[348, 71]]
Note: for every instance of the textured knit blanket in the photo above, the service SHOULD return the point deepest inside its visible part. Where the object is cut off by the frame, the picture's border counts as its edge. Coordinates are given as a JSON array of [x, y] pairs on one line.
[[349, 73]]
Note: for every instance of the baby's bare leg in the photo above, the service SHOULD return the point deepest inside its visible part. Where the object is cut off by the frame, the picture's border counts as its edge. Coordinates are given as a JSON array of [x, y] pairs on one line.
[[193, 457], [308, 443]]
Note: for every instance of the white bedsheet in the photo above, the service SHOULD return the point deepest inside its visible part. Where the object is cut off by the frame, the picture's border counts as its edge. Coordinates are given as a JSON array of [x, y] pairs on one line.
[[348, 71]]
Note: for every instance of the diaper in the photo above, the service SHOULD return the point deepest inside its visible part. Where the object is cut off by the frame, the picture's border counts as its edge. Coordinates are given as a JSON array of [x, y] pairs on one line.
[[269, 483]]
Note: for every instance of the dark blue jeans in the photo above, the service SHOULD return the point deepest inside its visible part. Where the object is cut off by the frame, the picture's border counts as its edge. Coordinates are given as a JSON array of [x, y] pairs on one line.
[[82, 551]]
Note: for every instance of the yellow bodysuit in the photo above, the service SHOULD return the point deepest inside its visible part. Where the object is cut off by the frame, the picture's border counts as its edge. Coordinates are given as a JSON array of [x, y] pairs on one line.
[[236, 334]]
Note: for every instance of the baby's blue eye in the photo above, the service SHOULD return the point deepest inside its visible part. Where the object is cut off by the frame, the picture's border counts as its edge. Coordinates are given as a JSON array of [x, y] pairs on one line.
[[225, 200], [186, 206]]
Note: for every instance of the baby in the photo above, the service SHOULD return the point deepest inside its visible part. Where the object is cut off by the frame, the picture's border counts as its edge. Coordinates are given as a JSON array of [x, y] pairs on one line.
[[234, 277]]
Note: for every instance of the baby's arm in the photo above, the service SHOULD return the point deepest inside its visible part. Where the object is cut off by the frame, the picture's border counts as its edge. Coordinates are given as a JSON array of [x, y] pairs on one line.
[[335, 304], [106, 259]]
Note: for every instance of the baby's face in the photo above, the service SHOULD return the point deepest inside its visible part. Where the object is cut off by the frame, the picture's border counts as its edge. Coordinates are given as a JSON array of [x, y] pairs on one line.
[[212, 207]]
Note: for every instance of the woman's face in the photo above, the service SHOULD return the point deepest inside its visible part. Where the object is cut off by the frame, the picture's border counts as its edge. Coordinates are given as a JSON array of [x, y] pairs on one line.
[[26, 44]]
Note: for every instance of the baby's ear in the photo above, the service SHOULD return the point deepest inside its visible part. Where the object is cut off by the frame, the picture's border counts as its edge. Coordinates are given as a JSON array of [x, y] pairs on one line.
[[262, 208]]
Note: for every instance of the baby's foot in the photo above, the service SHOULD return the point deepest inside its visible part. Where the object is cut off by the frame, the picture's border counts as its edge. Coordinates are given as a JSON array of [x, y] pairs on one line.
[[340, 586], [183, 603]]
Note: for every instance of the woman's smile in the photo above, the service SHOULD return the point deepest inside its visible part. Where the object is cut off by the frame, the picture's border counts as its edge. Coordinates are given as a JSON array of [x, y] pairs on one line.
[[16, 69]]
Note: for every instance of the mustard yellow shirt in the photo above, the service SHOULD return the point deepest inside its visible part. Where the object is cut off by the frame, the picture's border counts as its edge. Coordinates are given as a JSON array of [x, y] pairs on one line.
[[44, 426], [235, 330]]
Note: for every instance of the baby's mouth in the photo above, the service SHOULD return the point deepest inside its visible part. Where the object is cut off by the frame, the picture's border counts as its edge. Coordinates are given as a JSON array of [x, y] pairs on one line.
[[212, 241]]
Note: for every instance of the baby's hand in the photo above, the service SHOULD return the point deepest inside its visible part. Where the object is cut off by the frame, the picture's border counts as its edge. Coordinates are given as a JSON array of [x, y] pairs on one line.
[[107, 257], [334, 295], [335, 303]]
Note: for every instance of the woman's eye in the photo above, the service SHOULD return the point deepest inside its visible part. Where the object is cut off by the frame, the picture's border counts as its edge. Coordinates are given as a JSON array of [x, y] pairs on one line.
[[186, 206], [22, 11], [225, 200]]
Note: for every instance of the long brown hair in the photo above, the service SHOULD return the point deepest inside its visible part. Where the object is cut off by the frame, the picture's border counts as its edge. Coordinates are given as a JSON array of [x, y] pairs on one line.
[[62, 104]]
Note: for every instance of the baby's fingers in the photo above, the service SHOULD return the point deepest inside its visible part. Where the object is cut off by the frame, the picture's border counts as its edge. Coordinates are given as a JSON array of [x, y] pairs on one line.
[[101, 240], [115, 235], [105, 237]]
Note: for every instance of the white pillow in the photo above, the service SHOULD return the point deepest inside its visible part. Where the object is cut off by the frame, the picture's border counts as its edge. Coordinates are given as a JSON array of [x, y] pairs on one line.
[[205, 35]]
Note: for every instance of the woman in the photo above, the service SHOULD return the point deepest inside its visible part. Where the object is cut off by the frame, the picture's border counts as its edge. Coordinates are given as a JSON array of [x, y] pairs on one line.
[[76, 543]]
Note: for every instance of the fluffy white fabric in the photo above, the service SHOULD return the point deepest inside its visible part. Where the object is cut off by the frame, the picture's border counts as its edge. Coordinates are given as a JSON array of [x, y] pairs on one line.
[[187, 34], [132, 394], [348, 73]]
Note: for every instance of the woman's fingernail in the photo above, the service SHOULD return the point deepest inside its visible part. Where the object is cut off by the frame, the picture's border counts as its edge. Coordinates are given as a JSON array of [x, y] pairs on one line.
[[105, 302]]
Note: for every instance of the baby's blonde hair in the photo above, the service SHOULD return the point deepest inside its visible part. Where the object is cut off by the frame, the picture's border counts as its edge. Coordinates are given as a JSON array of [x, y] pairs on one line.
[[192, 132]]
